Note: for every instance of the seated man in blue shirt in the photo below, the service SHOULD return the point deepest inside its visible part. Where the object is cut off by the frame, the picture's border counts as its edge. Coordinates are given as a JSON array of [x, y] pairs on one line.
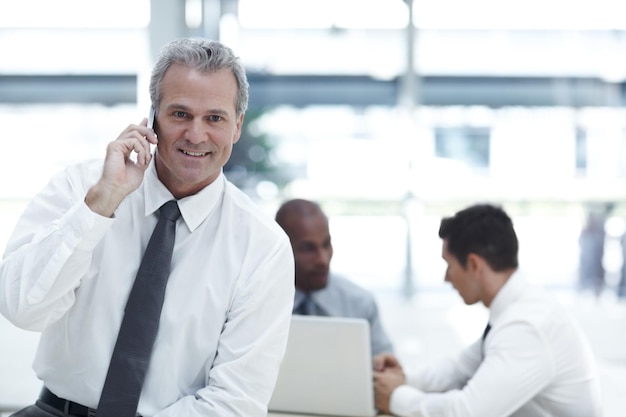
[[317, 293]]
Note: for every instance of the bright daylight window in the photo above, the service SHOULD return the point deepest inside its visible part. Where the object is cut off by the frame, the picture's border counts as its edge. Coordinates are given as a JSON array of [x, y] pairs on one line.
[[465, 144], [89, 14]]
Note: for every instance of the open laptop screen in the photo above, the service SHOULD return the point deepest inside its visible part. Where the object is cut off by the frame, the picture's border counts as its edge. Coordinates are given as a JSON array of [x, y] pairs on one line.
[[327, 368]]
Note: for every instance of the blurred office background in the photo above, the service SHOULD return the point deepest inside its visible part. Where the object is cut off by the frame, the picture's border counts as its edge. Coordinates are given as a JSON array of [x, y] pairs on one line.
[[390, 113]]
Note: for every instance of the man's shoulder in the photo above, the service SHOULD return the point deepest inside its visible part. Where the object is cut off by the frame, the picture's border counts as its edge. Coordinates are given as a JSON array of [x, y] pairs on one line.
[[343, 297], [247, 213], [347, 286], [86, 171], [538, 307], [91, 164]]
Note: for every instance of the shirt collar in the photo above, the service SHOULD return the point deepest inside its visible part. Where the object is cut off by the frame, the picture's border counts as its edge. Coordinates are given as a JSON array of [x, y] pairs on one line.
[[193, 209], [319, 297], [508, 294], [299, 297]]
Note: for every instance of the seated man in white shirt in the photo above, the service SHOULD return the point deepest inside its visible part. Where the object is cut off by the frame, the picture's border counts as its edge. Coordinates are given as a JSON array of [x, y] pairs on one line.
[[317, 292], [532, 360]]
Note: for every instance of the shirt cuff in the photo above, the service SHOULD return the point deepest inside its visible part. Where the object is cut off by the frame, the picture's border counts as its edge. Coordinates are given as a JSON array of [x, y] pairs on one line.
[[94, 227], [405, 400]]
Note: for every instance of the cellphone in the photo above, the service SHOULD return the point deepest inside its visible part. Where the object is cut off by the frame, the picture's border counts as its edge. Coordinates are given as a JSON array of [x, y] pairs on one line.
[[151, 116]]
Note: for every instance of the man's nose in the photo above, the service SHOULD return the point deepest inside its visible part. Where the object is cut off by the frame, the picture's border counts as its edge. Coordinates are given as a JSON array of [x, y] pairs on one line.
[[196, 133], [324, 255]]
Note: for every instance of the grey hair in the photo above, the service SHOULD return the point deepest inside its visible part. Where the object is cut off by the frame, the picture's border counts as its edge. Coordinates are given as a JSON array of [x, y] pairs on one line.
[[203, 55]]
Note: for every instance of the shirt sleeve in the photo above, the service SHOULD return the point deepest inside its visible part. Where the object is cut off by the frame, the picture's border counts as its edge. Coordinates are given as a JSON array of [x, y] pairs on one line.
[[243, 374], [380, 341], [48, 253], [516, 367]]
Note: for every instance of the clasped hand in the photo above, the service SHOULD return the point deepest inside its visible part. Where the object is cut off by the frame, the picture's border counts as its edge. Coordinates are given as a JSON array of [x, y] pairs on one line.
[[388, 375]]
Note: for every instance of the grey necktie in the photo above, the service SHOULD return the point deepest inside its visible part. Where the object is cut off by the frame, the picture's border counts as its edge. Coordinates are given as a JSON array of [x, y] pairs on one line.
[[131, 355], [304, 308], [308, 307]]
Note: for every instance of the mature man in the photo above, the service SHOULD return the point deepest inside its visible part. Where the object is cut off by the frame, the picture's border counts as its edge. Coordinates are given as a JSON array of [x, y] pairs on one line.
[[318, 293], [532, 360], [70, 266]]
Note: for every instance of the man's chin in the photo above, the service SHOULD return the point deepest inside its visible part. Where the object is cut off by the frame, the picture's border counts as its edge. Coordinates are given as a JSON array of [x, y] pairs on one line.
[[321, 281], [315, 284], [321, 285]]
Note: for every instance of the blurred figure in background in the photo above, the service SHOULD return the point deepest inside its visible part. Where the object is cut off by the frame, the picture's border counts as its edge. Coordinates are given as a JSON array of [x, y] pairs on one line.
[[591, 273], [620, 291], [317, 293]]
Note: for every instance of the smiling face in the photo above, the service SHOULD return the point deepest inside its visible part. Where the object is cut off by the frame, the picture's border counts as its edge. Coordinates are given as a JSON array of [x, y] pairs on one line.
[[197, 125]]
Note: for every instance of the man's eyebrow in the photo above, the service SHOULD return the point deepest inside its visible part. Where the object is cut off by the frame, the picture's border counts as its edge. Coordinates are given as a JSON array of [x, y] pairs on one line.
[[176, 106], [217, 111]]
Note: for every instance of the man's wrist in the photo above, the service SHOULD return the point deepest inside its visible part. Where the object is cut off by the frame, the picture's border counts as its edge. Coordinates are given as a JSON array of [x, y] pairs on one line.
[[404, 400], [103, 200]]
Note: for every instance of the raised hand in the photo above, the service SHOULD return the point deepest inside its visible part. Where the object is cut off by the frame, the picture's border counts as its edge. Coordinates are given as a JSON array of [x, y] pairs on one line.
[[122, 174]]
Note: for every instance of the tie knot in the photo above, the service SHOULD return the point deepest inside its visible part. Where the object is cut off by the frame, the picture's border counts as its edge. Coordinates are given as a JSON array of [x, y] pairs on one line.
[[170, 210]]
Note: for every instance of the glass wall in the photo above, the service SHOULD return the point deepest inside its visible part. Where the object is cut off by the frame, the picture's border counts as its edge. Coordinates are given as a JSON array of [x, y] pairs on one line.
[[390, 170], [385, 174]]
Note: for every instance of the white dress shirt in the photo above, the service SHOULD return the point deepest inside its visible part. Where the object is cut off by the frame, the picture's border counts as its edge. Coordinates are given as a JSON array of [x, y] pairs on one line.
[[537, 363], [67, 272]]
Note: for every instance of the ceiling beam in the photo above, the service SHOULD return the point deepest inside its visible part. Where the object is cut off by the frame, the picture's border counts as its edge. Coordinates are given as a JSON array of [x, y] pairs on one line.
[[268, 90], [34, 89]]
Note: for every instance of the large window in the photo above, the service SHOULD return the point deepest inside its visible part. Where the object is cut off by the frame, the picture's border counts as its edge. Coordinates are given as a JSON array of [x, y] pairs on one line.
[[469, 145]]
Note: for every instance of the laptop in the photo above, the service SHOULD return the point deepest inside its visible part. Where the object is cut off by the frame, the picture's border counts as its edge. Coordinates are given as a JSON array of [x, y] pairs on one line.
[[327, 368]]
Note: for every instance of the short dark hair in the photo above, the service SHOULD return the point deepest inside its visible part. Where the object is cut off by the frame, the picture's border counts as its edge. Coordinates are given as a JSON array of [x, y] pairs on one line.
[[485, 230]]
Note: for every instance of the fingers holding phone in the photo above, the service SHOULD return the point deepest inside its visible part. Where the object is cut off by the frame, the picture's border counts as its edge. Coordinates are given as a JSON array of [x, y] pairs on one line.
[[134, 143], [126, 160]]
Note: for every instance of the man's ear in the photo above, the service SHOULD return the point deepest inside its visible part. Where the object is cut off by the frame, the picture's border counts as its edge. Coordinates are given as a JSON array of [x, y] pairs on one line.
[[475, 263], [239, 128]]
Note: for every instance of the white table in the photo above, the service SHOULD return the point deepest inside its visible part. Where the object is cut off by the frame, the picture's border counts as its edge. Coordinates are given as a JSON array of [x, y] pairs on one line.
[[273, 414]]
